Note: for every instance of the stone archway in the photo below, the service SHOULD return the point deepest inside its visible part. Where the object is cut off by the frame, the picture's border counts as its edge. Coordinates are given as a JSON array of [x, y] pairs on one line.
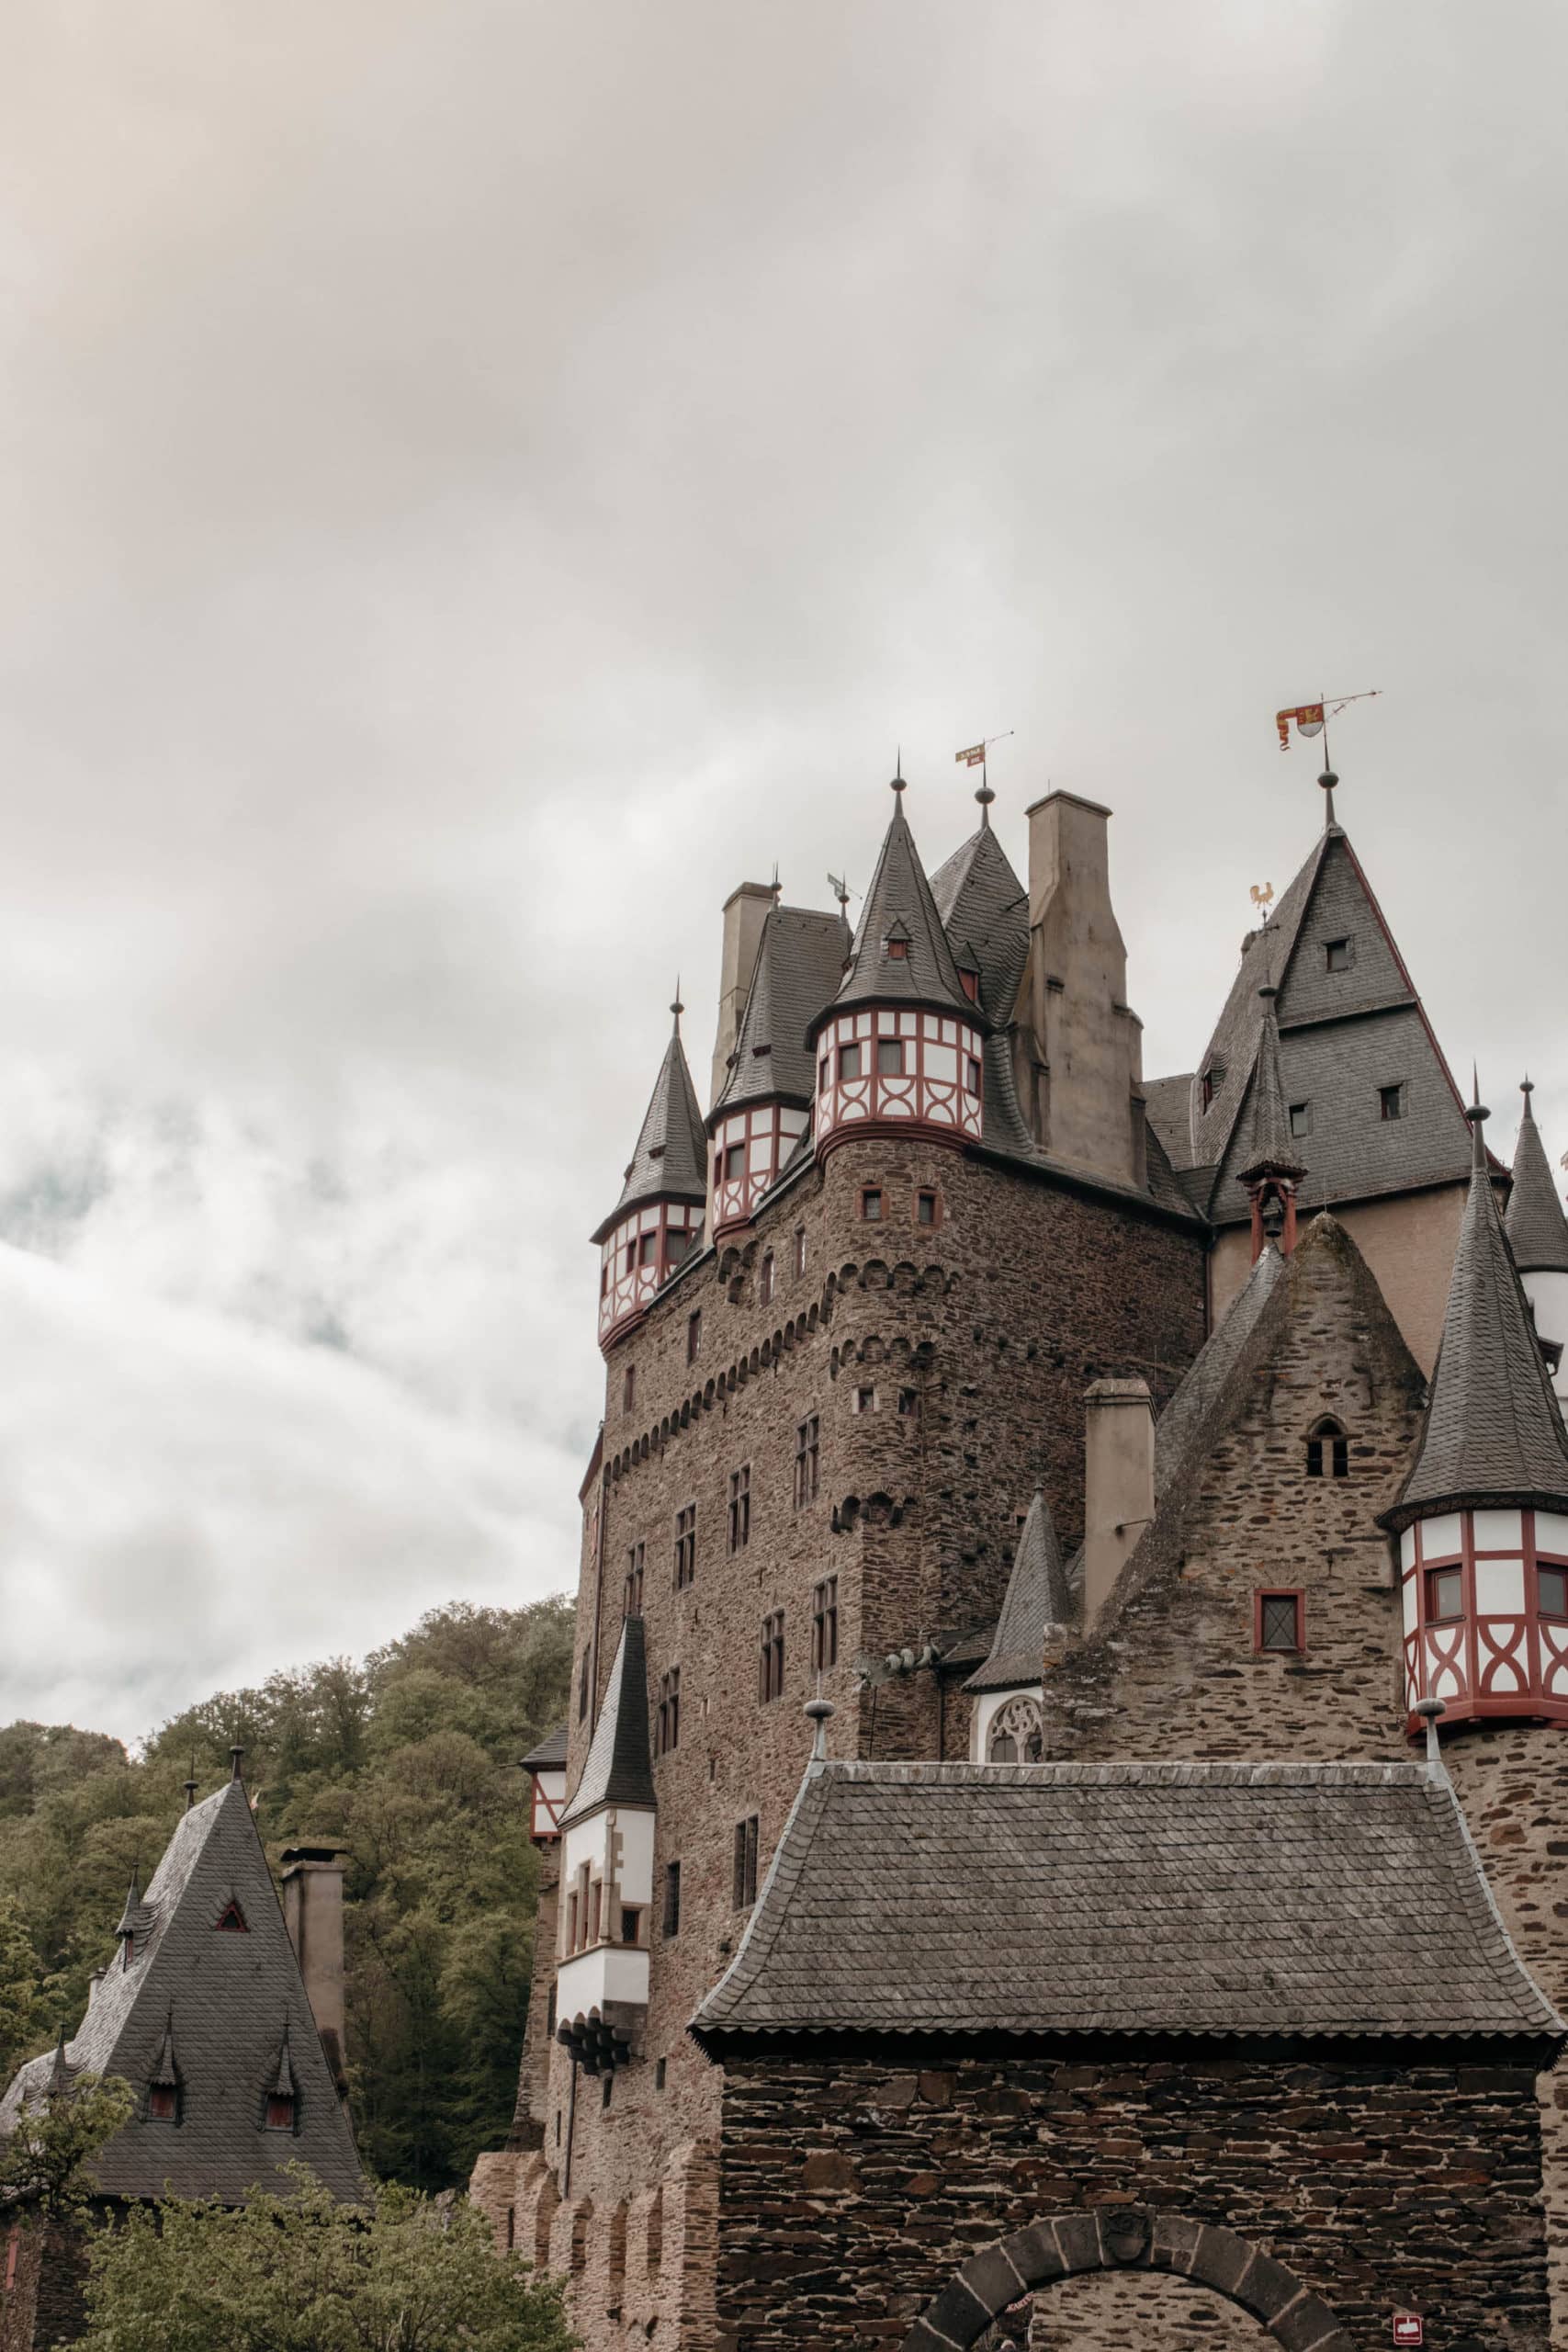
[[1126, 2237]]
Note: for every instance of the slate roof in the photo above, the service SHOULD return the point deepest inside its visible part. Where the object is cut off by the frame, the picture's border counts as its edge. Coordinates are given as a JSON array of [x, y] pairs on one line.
[[218, 2007], [1037, 1596], [1342, 1035], [1264, 1129], [1538, 1231], [900, 893], [800, 962], [1094, 1900], [618, 1769], [1493, 1432], [550, 1753], [672, 1156], [985, 908]]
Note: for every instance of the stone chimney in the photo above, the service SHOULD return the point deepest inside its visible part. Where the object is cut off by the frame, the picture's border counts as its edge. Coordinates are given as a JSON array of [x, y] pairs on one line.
[[1119, 1482], [313, 1912], [745, 911], [1083, 1092]]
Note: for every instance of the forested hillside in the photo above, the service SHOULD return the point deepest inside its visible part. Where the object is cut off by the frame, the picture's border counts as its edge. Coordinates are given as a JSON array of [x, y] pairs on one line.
[[410, 1761]]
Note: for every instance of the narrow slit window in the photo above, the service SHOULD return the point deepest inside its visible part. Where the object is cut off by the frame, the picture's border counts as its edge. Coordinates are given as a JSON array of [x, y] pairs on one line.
[[807, 1460], [685, 1546], [771, 1658], [825, 1624], [671, 1898], [972, 1074], [740, 1507], [743, 1885], [669, 1731]]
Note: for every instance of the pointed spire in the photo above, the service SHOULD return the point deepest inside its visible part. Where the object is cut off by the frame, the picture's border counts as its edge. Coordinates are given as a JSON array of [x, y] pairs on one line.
[[1037, 1596], [1328, 780], [670, 1159], [676, 1009], [897, 784], [1493, 1431], [131, 1918], [899, 906], [1269, 1147], [166, 2073], [283, 2083], [1537, 1229], [617, 1770]]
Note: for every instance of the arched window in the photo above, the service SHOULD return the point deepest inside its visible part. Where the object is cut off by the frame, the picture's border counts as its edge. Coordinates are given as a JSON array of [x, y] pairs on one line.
[[1017, 1734], [1329, 1450]]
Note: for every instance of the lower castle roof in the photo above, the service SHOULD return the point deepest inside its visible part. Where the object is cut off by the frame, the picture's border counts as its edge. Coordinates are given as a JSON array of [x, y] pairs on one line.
[[1339, 1900]]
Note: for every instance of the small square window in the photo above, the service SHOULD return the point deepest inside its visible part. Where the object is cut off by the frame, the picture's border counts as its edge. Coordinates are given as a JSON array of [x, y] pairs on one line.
[[1279, 1620], [865, 1401], [890, 1058], [898, 949], [871, 1205], [1551, 1592], [925, 1208], [1340, 955], [848, 1062], [909, 1404], [1391, 1102], [1444, 1594], [1301, 1118]]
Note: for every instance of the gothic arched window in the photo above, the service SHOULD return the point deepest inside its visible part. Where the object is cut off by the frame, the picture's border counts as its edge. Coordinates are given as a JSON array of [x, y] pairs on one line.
[[1328, 1450], [1017, 1734]]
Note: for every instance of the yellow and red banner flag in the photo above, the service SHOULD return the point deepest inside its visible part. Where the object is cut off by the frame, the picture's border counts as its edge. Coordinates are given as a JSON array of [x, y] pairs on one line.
[[974, 757], [1308, 717]]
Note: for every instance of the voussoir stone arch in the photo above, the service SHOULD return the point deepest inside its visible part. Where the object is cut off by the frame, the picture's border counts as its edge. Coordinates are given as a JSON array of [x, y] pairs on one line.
[[1126, 2237]]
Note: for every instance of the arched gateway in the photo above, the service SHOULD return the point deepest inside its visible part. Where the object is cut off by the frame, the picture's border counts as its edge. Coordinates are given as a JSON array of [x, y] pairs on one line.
[[1125, 2238]]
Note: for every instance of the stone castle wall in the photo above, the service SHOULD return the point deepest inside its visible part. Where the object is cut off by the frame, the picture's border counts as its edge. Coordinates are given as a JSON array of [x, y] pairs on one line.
[[986, 1328], [854, 2188]]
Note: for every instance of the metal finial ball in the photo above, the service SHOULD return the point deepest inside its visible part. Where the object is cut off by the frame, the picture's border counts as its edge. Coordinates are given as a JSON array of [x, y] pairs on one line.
[[896, 784], [1476, 1113], [985, 796], [1328, 779]]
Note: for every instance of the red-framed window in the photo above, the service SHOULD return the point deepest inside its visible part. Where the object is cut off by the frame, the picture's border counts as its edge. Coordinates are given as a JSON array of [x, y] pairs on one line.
[[1279, 1620]]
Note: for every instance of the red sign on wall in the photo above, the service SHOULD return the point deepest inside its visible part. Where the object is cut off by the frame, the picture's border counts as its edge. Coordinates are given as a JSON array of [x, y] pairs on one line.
[[1408, 2328]]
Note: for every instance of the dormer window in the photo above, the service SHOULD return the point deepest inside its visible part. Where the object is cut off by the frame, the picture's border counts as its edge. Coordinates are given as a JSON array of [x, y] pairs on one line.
[[898, 951], [1340, 955], [971, 984], [163, 2103], [280, 2110], [1391, 1102], [231, 1920]]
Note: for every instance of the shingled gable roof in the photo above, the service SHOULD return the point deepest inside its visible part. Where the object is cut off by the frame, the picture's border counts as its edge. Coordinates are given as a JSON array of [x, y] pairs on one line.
[[618, 1769], [672, 1156], [220, 2004], [1493, 1432], [984, 910], [1343, 1034], [900, 893], [550, 1752], [1304, 1900], [1537, 1229], [1037, 1596], [800, 962]]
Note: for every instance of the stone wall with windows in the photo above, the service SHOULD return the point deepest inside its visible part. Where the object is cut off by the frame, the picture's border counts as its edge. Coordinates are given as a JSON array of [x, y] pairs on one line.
[[935, 1356]]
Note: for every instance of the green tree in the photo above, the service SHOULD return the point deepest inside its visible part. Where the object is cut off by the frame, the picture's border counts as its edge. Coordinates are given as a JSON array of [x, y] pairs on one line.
[[305, 2273], [22, 2017], [43, 2163]]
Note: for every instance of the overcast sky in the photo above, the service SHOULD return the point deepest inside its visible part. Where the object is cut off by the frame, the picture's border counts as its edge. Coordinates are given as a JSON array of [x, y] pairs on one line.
[[478, 481]]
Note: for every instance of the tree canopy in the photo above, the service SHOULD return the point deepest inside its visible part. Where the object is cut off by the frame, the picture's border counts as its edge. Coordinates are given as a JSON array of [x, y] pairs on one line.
[[408, 1760], [305, 2273]]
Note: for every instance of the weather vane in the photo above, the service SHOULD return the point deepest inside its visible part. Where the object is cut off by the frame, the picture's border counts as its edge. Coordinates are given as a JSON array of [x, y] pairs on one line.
[[1263, 897], [974, 757]]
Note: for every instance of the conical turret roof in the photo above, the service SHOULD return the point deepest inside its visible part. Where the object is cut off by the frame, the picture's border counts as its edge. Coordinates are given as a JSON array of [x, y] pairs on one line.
[[984, 909], [800, 961], [1037, 1596], [899, 894], [618, 1769], [670, 1159], [1537, 1229], [1265, 1122], [1493, 1432]]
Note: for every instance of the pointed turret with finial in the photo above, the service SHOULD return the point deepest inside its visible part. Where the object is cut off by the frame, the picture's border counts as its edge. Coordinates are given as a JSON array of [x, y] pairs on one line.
[[1538, 1235], [655, 1224], [902, 1045], [1482, 1517], [1271, 1170]]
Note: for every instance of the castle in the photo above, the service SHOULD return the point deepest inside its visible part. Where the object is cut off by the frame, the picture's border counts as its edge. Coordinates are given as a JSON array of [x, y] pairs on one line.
[[1063, 1825]]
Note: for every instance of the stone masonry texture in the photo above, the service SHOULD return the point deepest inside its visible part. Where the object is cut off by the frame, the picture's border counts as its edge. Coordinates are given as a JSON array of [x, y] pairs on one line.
[[945, 1366], [854, 2188]]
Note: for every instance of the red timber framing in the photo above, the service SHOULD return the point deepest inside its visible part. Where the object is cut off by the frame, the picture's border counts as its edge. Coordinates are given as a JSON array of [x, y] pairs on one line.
[[637, 1257], [749, 1147], [884, 1071], [1486, 1614]]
